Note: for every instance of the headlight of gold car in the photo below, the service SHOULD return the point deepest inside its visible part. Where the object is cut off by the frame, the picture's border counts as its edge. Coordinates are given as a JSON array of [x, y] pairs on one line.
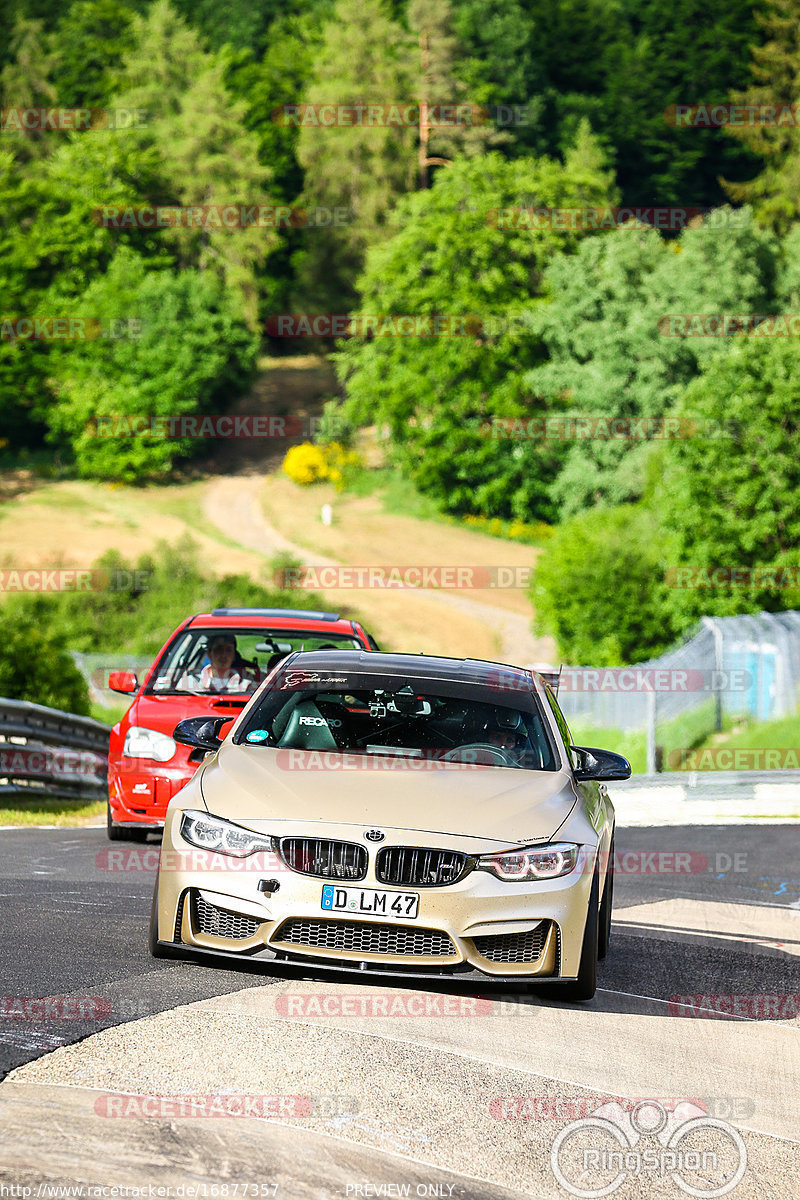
[[531, 862], [212, 833]]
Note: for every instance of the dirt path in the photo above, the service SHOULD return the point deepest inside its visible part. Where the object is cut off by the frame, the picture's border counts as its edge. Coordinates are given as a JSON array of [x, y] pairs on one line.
[[442, 621]]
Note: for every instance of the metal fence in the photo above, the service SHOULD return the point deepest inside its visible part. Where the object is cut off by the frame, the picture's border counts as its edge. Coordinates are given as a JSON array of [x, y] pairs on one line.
[[46, 753], [743, 666]]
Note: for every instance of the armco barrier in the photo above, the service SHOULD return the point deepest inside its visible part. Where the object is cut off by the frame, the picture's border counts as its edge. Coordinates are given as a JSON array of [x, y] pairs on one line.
[[45, 752], [701, 784]]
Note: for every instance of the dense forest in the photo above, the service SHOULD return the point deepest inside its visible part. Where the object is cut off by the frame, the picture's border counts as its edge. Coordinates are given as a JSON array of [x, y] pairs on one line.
[[570, 207]]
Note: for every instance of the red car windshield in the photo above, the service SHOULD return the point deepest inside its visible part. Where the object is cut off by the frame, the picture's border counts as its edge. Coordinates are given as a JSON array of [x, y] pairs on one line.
[[205, 660]]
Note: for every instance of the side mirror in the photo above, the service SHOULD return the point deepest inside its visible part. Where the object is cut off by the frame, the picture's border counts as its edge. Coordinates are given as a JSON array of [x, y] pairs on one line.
[[600, 764], [123, 681], [200, 732]]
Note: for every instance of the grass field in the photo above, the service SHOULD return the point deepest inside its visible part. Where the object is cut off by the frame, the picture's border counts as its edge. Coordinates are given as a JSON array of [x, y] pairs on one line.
[[52, 812], [365, 531], [692, 733]]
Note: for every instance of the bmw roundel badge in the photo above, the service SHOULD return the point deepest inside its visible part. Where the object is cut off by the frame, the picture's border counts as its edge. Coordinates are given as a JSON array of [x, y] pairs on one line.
[[374, 835]]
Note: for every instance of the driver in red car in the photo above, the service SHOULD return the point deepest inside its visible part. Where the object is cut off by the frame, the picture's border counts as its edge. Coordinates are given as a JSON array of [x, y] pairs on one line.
[[217, 675]]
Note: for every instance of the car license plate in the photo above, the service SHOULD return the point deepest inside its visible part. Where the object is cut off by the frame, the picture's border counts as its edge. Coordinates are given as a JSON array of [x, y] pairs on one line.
[[369, 902]]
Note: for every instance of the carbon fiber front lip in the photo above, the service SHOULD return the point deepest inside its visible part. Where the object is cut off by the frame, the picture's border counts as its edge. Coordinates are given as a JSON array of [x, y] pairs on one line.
[[313, 965]]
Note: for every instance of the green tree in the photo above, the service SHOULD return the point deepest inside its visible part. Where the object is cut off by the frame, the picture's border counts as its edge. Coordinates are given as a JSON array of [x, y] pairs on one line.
[[622, 64], [600, 588], [735, 501], [441, 84], [502, 64], [23, 370], [775, 191], [614, 340], [441, 397], [92, 38], [264, 81], [27, 82], [35, 665], [174, 344], [206, 155], [365, 58]]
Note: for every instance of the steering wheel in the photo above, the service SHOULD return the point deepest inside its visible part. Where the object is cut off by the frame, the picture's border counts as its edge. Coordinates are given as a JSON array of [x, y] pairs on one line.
[[502, 758]]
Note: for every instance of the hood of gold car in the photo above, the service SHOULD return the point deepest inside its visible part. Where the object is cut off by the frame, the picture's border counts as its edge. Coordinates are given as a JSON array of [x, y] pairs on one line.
[[254, 784]]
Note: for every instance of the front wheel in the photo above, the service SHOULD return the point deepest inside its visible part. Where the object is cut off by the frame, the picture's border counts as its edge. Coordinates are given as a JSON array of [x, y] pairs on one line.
[[115, 833], [119, 833], [585, 986], [607, 905], [156, 951]]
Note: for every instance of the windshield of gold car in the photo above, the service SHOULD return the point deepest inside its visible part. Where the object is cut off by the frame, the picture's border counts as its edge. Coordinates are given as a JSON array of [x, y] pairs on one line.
[[404, 719]]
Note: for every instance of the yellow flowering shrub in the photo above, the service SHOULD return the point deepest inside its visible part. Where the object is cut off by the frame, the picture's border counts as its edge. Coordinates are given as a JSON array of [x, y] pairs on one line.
[[517, 531], [306, 464]]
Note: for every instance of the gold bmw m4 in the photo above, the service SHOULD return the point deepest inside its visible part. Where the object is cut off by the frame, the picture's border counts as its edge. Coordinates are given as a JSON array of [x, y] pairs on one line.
[[400, 814]]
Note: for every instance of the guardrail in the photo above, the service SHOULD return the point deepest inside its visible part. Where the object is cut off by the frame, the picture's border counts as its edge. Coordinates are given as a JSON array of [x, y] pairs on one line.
[[48, 753], [705, 785]]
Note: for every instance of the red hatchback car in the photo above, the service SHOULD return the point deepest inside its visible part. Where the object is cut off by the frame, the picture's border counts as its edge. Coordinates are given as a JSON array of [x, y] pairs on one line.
[[210, 666]]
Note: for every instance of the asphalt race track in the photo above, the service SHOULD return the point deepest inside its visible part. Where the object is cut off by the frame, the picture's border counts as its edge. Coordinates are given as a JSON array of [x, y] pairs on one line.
[[410, 1097]]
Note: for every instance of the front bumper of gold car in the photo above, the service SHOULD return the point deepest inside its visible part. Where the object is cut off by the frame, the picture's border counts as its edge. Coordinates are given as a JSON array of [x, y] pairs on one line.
[[479, 927]]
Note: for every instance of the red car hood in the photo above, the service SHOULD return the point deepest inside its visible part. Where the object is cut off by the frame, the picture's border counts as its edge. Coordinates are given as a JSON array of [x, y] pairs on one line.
[[164, 712]]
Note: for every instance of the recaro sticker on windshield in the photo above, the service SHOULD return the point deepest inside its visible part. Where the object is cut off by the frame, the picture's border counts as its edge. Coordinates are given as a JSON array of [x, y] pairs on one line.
[[257, 735]]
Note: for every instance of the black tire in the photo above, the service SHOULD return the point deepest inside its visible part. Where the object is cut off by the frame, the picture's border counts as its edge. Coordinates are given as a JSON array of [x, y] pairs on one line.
[[115, 832], [584, 987], [118, 833], [156, 951], [606, 906]]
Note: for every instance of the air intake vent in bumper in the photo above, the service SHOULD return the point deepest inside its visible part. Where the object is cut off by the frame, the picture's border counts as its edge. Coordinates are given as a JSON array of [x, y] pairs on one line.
[[218, 922], [419, 866], [513, 947], [360, 937], [323, 857]]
